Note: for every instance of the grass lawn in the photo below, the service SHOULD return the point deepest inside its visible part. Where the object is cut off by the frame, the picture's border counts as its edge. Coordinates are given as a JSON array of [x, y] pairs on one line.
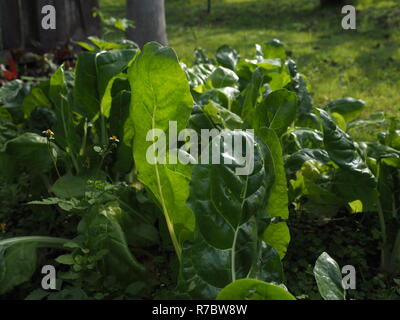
[[364, 64]]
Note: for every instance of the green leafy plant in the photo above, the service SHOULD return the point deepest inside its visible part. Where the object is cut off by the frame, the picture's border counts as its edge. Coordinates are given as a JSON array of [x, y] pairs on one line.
[[247, 289], [113, 34], [329, 278], [218, 234]]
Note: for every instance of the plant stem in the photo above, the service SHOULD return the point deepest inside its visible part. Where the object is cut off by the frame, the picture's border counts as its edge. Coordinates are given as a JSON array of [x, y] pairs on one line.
[[53, 159], [233, 256], [103, 157], [103, 129], [40, 241], [84, 141], [381, 222], [69, 150]]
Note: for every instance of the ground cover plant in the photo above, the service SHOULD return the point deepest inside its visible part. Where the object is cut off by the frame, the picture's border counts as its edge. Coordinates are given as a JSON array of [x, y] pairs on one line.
[[80, 193]]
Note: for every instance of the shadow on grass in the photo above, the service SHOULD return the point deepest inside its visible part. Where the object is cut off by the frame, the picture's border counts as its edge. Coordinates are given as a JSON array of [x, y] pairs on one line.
[[345, 61], [243, 14], [275, 16]]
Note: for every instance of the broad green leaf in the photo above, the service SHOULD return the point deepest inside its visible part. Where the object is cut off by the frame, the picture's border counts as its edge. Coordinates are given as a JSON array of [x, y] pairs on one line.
[[69, 186], [102, 230], [109, 45], [115, 107], [314, 183], [29, 151], [277, 111], [106, 101], [12, 95], [223, 77], [373, 119], [392, 162], [37, 295], [326, 185], [18, 259], [294, 162], [229, 211], [269, 65], [123, 24], [225, 97], [349, 108], [199, 119], [67, 259], [5, 115], [271, 57], [342, 151], [227, 57], [200, 57], [339, 120], [111, 63], [353, 180], [161, 93], [121, 126], [65, 131], [356, 206], [391, 137], [278, 199], [269, 267], [302, 138], [277, 235], [273, 49], [198, 74], [223, 117], [299, 85], [87, 46], [251, 95], [250, 289], [37, 98], [93, 72], [388, 182], [329, 278], [380, 151], [11, 90], [279, 79], [8, 131]]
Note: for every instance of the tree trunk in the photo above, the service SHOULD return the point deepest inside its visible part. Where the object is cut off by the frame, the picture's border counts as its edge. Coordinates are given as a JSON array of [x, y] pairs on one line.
[[209, 6], [149, 19], [21, 23]]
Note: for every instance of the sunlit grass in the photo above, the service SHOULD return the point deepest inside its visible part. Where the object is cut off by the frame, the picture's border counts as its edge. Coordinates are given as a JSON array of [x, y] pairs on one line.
[[364, 64]]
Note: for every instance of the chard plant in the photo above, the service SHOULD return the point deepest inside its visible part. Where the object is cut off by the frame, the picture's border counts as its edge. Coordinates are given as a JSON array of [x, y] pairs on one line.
[[89, 167]]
